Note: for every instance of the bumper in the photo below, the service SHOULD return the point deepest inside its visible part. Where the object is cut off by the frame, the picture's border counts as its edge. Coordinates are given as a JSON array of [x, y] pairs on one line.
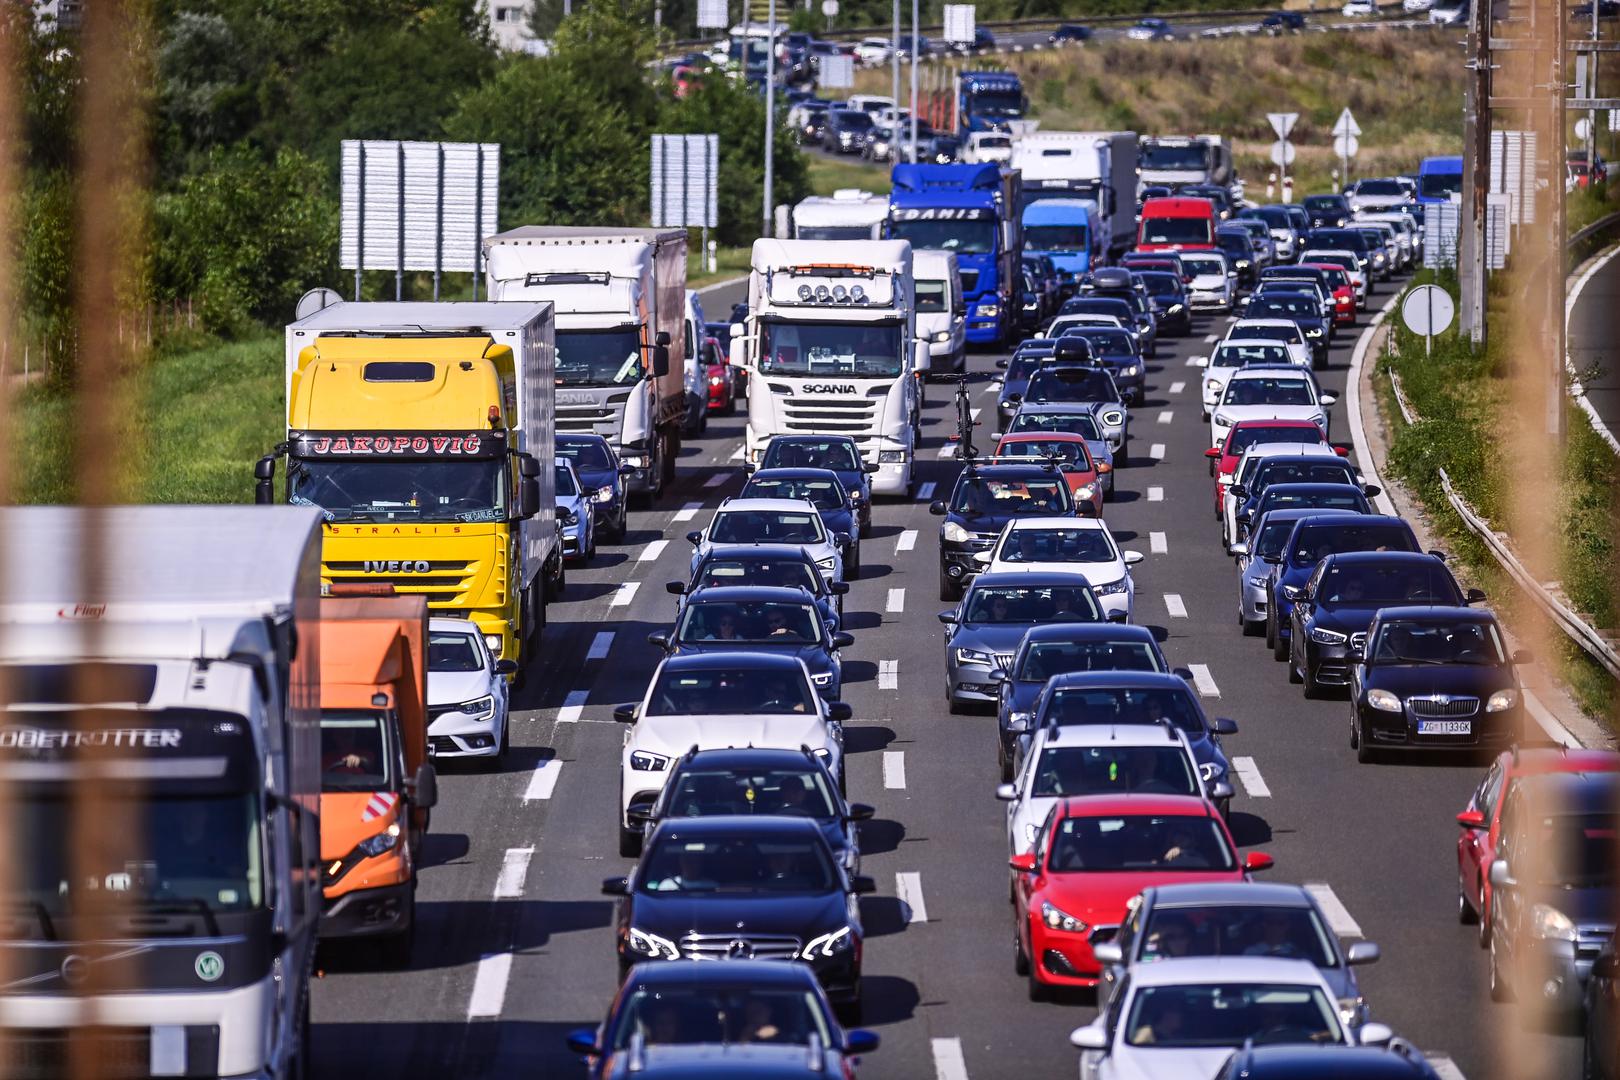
[[1487, 731], [719, 398], [574, 540], [459, 735], [1210, 301], [985, 331], [956, 560], [1252, 601], [1328, 664], [368, 912], [1062, 959], [971, 682]]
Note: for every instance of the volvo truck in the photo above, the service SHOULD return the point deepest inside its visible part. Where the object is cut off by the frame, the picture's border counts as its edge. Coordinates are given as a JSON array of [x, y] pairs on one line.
[[419, 430], [619, 295], [160, 779], [1095, 167], [830, 349]]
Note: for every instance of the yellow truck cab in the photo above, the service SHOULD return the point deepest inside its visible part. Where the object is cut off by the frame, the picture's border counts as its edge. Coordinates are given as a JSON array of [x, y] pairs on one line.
[[420, 430]]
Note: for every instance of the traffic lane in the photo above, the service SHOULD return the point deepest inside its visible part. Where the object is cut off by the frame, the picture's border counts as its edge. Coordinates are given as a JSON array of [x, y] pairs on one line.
[[1591, 342]]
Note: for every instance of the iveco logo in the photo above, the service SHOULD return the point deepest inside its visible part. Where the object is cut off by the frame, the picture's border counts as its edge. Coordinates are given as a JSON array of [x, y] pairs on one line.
[[828, 388], [75, 970], [740, 950], [397, 566]]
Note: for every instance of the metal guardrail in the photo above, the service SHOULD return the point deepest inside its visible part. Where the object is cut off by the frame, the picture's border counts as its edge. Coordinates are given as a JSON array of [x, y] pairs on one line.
[[1602, 224]]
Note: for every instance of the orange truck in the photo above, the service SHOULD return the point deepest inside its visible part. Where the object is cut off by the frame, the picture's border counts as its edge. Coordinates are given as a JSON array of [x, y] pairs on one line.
[[377, 785]]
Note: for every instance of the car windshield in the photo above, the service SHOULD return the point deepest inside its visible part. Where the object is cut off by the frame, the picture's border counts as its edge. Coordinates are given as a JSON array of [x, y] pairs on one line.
[[450, 651], [1380, 187], [377, 489], [1411, 641], [1083, 424], [1110, 344], [753, 621], [977, 495], [1055, 238], [1576, 850], [971, 237], [853, 119], [1317, 542], [734, 691], [1283, 305], [1030, 604], [357, 752], [998, 105], [834, 454], [781, 573], [1070, 384], [821, 494], [1108, 770], [799, 791], [1244, 437], [1171, 156], [1326, 204], [1340, 497], [585, 455], [1023, 365], [932, 296], [599, 357], [1062, 449], [1057, 545], [1175, 230], [847, 350], [1439, 185], [1044, 659], [1116, 843], [564, 479], [1231, 1014], [1293, 932], [688, 1015], [1237, 247], [1162, 284], [1233, 356], [1289, 333], [1371, 585], [1204, 265], [1268, 540], [766, 527], [1274, 216], [1135, 705], [1265, 390], [1303, 471], [716, 865]]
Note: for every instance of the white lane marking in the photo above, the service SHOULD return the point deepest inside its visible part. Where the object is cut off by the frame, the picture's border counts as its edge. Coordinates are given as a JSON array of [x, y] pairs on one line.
[[1192, 361], [906, 542], [1177, 387], [514, 870], [651, 552], [1210, 339], [1166, 415], [894, 769], [888, 674], [717, 479], [1444, 1067], [1204, 681], [543, 781], [626, 593], [926, 491], [688, 512], [1173, 604], [489, 986], [573, 707], [908, 887], [973, 414], [1156, 451], [897, 600], [1248, 774], [1338, 916], [1155, 494], [946, 451], [948, 1063], [600, 645], [737, 454], [1158, 543]]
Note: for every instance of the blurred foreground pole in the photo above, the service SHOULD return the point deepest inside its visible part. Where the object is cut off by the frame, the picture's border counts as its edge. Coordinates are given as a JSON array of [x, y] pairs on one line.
[[770, 113]]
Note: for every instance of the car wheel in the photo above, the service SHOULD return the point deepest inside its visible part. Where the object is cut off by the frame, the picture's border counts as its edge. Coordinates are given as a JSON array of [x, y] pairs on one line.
[[1499, 986], [1483, 914], [1466, 915], [1004, 763], [395, 950], [1365, 754], [590, 552], [1274, 642], [957, 708], [1038, 991], [1252, 627], [1313, 689], [948, 588], [1293, 671], [629, 842], [1020, 959]]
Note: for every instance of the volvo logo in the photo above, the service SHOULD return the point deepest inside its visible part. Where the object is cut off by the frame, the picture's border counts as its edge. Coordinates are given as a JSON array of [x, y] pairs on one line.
[[828, 388], [396, 566], [75, 970], [740, 950]]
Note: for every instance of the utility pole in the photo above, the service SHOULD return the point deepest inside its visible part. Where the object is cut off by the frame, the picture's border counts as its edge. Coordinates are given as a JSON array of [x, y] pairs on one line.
[[894, 63], [1559, 255], [770, 114], [1471, 250], [914, 30]]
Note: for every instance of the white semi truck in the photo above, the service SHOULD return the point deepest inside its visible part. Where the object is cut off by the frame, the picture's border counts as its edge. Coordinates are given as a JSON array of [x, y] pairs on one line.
[[1098, 167], [847, 214], [620, 299], [830, 346], [160, 757]]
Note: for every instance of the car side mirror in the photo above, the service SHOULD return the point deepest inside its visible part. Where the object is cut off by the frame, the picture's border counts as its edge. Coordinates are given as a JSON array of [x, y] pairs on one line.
[[695, 537], [1372, 491], [1375, 1034], [425, 786], [843, 639], [1200, 361], [1024, 863], [1001, 363], [1255, 861], [1472, 819], [1499, 875], [660, 359], [1091, 1037], [1329, 399], [675, 588], [937, 508], [861, 1041], [1357, 651], [264, 480], [1222, 725], [869, 468], [1238, 547], [626, 714], [843, 540], [837, 588], [638, 815], [506, 667], [1108, 952], [583, 1041], [1213, 453], [627, 470], [1006, 792], [1473, 596], [948, 617], [981, 557], [749, 469], [839, 711], [998, 674], [616, 886], [860, 812], [1362, 952], [1239, 491], [861, 885], [659, 638], [528, 498]]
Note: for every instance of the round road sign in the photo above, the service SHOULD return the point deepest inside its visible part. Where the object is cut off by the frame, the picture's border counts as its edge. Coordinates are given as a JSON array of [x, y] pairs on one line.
[[1427, 310]]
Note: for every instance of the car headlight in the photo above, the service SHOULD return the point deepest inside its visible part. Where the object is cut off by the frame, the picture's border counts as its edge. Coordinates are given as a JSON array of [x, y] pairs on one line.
[[602, 495], [1211, 771], [1383, 700], [891, 457], [988, 311], [1173, 309], [715, 380], [479, 708], [955, 533], [1056, 918], [822, 753], [974, 656], [1222, 420], [1113, 588], [1315, 331], [822, 679], [653, 945], [1113, 418], [1502, 699], [1550, 923], [1130, 370], [642, 761], [1213, 384], [828, 565], [1326, 637], [942, 336], [1243, 264], [1018, 721], [1086, 491], [385, 841], [494, 642], [825, 945]]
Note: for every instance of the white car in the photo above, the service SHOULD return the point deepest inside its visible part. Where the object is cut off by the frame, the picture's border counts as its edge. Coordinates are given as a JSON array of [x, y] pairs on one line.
[[1213, 280], [1267, 393], [1230, 355], [1377, 193], [1095, 759], [873, 52], [1081, 546], [466, 692], [716, 700], [1248, 464], [1413, 7], [1180, 1019], [772, 521], [986, 146], [1356, 9], [1346, 261], [1284, 330]]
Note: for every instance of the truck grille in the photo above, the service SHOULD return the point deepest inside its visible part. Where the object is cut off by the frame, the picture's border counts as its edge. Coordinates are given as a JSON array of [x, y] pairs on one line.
[[830, 415], [740, 947], [440, 582], [118, 1052], [970, 280], [1439, 705]]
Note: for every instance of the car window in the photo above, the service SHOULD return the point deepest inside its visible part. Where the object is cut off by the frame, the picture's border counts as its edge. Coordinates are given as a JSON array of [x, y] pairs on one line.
[[1295, 470], [1058, 545], [1232, 356], [564, 479], [1293, 932], [1244, 437], [1099, 705], [790, 792], [766, 527], [755, 622], [1275, 333], [1369, 583], [1316, 542], [449, 651], [1030, 604], [1120, 842], [1062, 449], [1340, 497], [731, 865], [694, 1014], [807, 454], [1268, 540], [1083, 424], [1103, 770], [1490, 790], [585, 455], [730, 692], [977, 495], [1044, 659], [1230, 1014], [1070, 384]]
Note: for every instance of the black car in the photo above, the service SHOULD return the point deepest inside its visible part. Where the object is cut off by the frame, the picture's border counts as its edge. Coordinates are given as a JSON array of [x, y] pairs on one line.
[[1220, 196], [1117, 352], [1069, 32], [1313, 535], [1025, 359], [1238, 247], [985, 629], [822, 489], [755, 782], [1304, 310], [743, 888], [1325, 467], [1600, 1050], [1434, 678], [771, 565], [1319, 496], [836, 452], [1168, 294], [760, 619], [1334, 608], [601, 475], [1283, 22], [1047, 651], [847, 130], [1328, 211], [1052, 384], [813, 131], [1032, 305], [984, 499], [1117, 283], [1397, 1060]]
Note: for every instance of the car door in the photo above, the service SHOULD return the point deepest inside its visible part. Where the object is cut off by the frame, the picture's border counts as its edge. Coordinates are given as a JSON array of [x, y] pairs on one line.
[[1488, 801], [1024, 883], [1302, 614], [1507, 901]]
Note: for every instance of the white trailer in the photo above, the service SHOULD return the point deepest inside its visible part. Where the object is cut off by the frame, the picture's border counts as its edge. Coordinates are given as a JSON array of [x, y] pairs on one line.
[[847, 214], [941, 310], [1099, 167]]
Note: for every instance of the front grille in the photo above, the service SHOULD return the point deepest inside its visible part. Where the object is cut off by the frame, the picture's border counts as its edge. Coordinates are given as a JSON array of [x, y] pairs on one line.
[[1442, 705], [970, 280], [118, 1052], [740, 947], [439, 582], [1004, 660], [1590, 940], [830, 415], [443, 744]]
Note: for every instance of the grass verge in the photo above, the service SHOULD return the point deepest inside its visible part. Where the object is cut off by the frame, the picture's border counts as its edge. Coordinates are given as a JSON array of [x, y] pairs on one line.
[[828, 174], [730, 262]]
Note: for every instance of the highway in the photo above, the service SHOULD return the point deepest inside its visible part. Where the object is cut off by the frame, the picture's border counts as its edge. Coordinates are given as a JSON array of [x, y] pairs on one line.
[[1591, 340], [515, 946]]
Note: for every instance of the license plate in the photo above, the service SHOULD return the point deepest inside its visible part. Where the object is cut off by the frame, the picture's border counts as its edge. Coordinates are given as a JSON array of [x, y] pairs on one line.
[[1445, 727]]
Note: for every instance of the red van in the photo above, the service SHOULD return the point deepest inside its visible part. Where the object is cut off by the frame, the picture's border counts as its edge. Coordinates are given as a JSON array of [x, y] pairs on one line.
[[1177, 224]]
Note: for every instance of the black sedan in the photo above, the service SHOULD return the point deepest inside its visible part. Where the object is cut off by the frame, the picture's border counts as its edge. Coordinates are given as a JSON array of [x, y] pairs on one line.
[[601, 476], [836, 452], [1328, 211], [760, 619], [1168, 294], [1118, 352], [985, 498], [1070, 33], [778, 565], [1304, 311], [743, 888], [1334, 609], [822, 489], [1322, 468], [1434, 678]]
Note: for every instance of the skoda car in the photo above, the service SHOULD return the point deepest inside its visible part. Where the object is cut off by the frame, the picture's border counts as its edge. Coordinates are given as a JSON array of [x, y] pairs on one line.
[[772, 565], [601, 475], [759, 619]]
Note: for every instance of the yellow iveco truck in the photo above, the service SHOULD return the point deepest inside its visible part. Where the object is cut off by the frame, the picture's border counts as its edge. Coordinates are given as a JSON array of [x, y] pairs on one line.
[[425, 434]]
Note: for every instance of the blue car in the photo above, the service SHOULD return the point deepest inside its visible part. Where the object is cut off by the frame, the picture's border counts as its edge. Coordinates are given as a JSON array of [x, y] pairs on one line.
[[839, 453], [822, 489], [601, 475], [574, 515], [1312, 538]]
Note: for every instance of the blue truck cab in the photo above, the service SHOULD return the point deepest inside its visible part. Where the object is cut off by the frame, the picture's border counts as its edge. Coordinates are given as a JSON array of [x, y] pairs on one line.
[[1439, 178], [971, 210], [987, 101], [1063, 229]]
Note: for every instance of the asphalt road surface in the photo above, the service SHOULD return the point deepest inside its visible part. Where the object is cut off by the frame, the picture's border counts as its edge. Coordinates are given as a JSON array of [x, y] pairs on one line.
[[1591, 342], [515, 945]]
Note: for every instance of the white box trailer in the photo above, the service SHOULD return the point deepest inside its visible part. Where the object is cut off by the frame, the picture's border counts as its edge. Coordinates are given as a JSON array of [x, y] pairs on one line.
[[847, 214], [1095, 166]]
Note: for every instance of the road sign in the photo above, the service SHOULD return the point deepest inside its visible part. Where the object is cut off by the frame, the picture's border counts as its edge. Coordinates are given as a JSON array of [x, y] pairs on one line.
[[1583, 129], [959, 23], [685, 176], [1346, 125], [829, 8], [835, 72], [1282, 122], [1346, 146], [711, 15], [1282, 153], [1614, 119], [1427, 310]]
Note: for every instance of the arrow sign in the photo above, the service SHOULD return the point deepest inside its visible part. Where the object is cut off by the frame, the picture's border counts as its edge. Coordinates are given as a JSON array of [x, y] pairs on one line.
[[1282, 122], [1346, 125], [1346, 145], [1282, 153]]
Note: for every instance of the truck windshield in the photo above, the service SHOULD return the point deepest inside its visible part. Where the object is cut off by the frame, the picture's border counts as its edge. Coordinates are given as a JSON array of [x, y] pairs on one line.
[[862, 350], [1439, 185], [1055, 237], [1186, 157], [1175, 230], [599, 357], [356, 750], [962, 237], [997, 105], [378, 489], [833, 232]]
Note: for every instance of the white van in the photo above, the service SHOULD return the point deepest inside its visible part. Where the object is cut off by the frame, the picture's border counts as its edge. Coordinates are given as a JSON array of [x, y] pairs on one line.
[[941, 311]]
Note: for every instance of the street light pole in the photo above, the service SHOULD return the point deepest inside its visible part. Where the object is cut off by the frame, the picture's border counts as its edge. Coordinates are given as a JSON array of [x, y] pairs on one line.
[[894, 63], [914, 30], [770, 114]]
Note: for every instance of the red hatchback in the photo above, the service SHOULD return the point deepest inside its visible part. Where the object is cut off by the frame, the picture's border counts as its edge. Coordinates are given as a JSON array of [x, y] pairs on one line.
[[1091, 856], [1479, 822], [1344, 293], [1080, 469], [1223, 459]]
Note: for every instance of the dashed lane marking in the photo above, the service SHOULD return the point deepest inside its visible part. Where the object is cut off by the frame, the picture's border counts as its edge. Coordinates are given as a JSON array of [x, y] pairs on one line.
[[894, 769], [906, 542], [1210, 339], [543, 781], [1177, 387], [1204, 681], [688, 512], [973, 414], [600, 645], [1158, 543], [1192, 361], [573, 707], [651, 552], [946, 451], [1166, 415], [1173, 604], [716, 480], [489, 986], [1248, 774], [908, 887], [1155, 494], [926, 491], [897, 601], [1444, 1067], [626, 593], [948, 1063], [1156, 451], [1338, 916], [737, 454], [514, 871], [888, 674]]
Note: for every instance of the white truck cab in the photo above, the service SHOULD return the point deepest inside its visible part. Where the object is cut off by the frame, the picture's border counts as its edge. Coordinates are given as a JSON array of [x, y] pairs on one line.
[[846, 214], [941, 311]]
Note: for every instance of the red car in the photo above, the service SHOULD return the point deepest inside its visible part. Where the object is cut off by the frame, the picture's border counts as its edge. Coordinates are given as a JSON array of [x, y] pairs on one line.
[[1223, 459], [1479, 823], [1082, 471], [1091, 856], [1344, 293], [722, 380]]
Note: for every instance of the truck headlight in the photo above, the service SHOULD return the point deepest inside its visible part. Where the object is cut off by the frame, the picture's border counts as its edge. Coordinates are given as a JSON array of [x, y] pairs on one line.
[[385, 841], [942, 337], [988, 311], [891, 457], [642, 761], [1383, 701], [1502, 700]]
